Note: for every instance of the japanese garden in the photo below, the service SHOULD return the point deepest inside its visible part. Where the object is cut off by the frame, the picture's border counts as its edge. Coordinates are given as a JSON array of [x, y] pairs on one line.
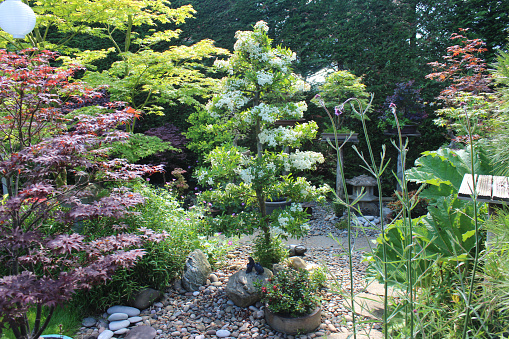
[[239, 169]]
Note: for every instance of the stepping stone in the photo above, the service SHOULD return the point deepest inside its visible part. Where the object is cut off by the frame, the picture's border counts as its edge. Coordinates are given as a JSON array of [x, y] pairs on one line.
[[373, 334], [374, 287], [367, 305], [141, 332]]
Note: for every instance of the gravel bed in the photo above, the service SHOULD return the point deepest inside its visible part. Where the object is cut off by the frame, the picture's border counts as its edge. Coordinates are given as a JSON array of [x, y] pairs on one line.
[[208, 313]]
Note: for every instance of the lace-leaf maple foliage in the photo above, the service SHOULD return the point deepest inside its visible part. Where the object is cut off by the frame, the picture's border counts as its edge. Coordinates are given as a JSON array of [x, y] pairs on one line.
[[42, 144], [259, 90]]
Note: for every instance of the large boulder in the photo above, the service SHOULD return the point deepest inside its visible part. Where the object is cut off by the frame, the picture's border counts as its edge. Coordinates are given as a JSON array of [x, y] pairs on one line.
[[196, 271], [241, 287], [145, 298]]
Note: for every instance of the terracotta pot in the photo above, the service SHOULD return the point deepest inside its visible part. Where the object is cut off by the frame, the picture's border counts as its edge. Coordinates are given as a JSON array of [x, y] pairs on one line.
[[294, 325]]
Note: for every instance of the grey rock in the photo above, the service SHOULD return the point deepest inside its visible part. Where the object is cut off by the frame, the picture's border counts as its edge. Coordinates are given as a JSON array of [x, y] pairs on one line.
[[294, 249], [300, 250], [130, 311], [89, 322], [241, 288], [196, 271], [106, 334], [259, 315], [297, 262], [145, 298], [102, 323], [213, 278], [141, 332], [277, 268], [117, 325], [118, 316], [386, 211], [223, 333], [134, 320], [121, 331]]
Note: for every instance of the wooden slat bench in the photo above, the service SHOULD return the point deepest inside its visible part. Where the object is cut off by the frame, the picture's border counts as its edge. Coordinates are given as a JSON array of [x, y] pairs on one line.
[[493, 190], [489, 188]]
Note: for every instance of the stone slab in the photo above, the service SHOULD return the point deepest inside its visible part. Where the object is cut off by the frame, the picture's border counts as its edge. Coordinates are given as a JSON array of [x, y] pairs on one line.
[[367, 305], [373, 334], [361, 243]]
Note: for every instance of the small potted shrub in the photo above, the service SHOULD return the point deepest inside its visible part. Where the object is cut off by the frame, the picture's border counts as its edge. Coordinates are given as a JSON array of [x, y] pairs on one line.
[[292, 303], [338, 87], [407, 104]]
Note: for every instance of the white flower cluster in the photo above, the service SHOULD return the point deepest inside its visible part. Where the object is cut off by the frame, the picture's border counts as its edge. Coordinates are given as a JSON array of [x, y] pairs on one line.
[[222, 64], [282, 60], [268, 137], [271, 167], [246, 175], [264, 78], [299, 85], [267, 113], [202, 174], [246, 42], [289, 135], [296, 207], [294, 110], [261, 26], [281, 135], [302, 160], [232, 100], [283, 221]]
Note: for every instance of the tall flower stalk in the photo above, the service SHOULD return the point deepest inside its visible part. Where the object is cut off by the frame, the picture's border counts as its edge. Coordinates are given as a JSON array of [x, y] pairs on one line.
[[360, 109], [468, 301], [407, 226]]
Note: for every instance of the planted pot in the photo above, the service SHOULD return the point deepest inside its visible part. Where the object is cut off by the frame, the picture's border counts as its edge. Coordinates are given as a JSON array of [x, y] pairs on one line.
[[407, 130], [341, 137], [289, 122], [271, 206], [294, 325]]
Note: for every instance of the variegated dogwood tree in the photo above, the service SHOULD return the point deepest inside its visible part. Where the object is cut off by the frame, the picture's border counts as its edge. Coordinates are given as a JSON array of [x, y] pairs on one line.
[[258, 91]]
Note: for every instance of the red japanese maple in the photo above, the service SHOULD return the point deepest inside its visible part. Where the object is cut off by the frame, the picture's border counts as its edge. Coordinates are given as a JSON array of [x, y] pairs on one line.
[[41, 141], [463, 67]]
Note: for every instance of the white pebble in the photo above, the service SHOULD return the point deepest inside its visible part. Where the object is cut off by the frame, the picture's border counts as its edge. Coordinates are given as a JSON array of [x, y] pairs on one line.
[[118, 316], [117, 325], [133, 320], [130, 311], [223, 333], [121, 331], [106, 334]]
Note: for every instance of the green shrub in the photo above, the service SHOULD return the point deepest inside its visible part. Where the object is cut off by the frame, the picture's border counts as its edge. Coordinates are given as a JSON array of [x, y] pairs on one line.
[[342, 225], [217, 247], [163, 261], [290, 292], [65, 320], [338, 209], [494, 299], [269, 252]]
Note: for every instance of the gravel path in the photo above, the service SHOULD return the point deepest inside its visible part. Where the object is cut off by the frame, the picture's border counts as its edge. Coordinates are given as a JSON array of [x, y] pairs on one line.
[[209, 314]]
